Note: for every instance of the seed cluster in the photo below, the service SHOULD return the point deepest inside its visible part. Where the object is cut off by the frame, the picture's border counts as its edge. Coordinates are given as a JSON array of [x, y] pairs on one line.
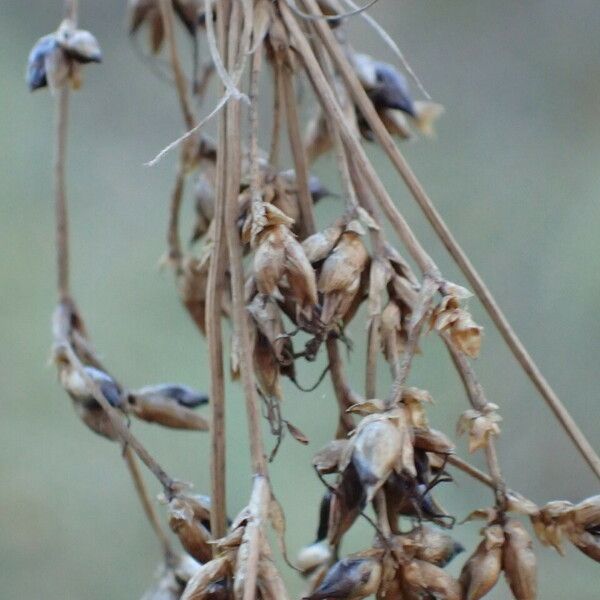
[[258, 258]]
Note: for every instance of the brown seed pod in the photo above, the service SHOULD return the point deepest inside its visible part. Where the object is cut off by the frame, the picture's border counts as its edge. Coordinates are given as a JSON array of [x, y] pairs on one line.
[[340, 275], [279, 254], [420, 577], [551, 523], [192, 534], [354, 577], [519, 562], [320, 244], [584, 529], [482, 570], [380, 446], [76, 384], [199, 586], [433, 546], [165, 412], [432, 440]]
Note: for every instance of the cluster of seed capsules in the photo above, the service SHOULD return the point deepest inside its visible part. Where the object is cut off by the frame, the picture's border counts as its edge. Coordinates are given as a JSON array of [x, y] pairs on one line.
[[297, 280]]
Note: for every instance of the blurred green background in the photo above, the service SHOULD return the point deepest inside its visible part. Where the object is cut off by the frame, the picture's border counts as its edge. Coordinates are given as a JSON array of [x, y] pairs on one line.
[[514, 170]]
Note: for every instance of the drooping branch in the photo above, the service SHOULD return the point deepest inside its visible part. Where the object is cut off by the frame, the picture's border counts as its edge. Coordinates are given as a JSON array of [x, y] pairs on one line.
[[416, 189]]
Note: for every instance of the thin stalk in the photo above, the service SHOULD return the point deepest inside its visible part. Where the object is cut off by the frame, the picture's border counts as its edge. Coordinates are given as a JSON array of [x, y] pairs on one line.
[[214, 334], [71, 10], [343, 393], [253, 118], [341, 158], [458, 254], [239, 314], [295, 137], [478, 401], [60, 194], [173, 238], [166, 9], [276, 131], [142, 492], [469, 469], [426, 294]]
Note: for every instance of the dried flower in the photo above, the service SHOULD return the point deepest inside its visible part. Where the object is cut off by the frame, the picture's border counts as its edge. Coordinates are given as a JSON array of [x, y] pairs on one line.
[[56, 58], [84, 402], [480, 425], [584, 531], [340, 276], [279, 254], [465, 333], [380, 446], [551, 522]]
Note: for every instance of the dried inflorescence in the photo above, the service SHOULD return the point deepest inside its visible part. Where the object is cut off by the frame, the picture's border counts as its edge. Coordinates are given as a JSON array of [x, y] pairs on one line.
[[56, 59], [258, 257]]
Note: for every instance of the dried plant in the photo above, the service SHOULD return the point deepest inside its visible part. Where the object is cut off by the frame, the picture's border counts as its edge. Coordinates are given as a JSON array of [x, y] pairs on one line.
[[260, 260]]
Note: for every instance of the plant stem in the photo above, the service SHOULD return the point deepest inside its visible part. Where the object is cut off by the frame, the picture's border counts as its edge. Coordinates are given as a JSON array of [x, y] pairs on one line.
[[142, 491], [239, 314], [214, 333], [478, 401], [166, 9], [60, 194], [301, 168]]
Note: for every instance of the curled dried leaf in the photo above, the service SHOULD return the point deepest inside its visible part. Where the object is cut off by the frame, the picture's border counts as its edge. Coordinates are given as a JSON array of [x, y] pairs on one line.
[[465, 333], [192, 534], [297, 434], [413, 399], [551, 523]]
